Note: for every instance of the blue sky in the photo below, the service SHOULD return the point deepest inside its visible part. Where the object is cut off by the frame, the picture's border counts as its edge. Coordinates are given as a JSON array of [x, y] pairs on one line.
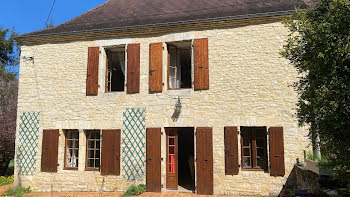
[[31, 15]]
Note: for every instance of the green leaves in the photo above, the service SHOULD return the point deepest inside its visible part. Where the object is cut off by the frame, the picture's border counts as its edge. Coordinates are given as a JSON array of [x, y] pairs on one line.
[[319, 48]]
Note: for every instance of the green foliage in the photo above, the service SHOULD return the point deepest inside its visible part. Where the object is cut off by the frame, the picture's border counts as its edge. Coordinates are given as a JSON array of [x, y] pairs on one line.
[[319, 48], [5, 180], [314, 157], [8, 53], [17, 191], [135, 190]]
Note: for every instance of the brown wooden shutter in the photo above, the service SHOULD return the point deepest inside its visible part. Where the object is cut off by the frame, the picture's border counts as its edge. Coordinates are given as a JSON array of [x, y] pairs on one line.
[[155, 67], [276, 151], [231, 151], [49, 155], [133, 76], [201, 64], [92, 71], [204, 158], [153, 160], [110, 152]]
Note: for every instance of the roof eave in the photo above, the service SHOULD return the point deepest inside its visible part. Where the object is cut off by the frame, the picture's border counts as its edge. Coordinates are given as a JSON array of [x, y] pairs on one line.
[[188, 22]]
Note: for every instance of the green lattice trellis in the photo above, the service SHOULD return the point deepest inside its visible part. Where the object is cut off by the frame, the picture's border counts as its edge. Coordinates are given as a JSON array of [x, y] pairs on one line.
[[28, 142], [134, 143]]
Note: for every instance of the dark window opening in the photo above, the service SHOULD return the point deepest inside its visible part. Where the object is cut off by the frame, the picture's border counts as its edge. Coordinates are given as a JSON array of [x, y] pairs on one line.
[[93, 150], [186, 168], [179, 65], [115, 76], [254, 148]]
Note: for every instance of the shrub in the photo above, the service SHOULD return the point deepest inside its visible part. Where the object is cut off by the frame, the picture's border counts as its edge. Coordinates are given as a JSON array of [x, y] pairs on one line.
[[6, 180], [135, 190]]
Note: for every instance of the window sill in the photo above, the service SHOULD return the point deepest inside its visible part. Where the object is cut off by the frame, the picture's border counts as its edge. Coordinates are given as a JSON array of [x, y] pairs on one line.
[[179, 92], [69, 168], [92, 169], [253, 169]]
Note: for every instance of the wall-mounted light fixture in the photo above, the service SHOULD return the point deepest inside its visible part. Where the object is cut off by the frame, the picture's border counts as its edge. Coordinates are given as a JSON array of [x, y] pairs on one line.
[[177, 110]]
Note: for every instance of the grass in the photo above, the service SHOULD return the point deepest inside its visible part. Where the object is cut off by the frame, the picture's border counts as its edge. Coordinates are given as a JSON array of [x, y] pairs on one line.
[[135, 190], [5, 180], [17, 191]]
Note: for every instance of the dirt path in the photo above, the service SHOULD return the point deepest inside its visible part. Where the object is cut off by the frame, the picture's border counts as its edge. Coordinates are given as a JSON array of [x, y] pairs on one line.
[[4, 188]]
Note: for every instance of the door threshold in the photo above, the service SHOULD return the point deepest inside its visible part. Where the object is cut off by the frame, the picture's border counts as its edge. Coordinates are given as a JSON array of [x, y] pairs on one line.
[[179, 191]]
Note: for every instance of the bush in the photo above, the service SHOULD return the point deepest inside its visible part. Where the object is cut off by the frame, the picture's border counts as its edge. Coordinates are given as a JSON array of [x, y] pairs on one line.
[[17, 191], [135, 190], [6, 180]]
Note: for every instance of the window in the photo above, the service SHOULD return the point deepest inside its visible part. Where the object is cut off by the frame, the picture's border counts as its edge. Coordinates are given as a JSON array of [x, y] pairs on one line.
[[179, 65], [72, 149], [93, 150], [253, 147], [115, 74]]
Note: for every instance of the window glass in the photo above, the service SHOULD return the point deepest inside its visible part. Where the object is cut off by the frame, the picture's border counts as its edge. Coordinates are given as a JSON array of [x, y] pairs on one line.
[[115, 75], [93, 149], [72, 149]]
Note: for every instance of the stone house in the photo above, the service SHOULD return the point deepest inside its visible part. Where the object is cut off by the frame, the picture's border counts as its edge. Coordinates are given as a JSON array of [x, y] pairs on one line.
[[179, 95]]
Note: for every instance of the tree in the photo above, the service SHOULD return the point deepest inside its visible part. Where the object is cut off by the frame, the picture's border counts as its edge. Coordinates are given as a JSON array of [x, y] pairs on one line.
[[8, 97], [319, 48]]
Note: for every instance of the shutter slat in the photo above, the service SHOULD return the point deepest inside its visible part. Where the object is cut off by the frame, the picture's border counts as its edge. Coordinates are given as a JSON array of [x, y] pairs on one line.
[[201, 64], [276, 151], [155, 67], [110, 153], [133, 71], [231, 151], [92, 71], [49, 155]]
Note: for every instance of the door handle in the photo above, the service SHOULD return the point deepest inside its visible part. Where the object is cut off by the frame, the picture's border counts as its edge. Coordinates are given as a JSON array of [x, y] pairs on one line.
[[277, 155], [206, 160]]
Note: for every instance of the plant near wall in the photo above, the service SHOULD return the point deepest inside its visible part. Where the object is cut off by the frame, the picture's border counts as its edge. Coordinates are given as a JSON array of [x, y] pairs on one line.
[[135, 190], [17, 191], [9, 54], [319, 48]]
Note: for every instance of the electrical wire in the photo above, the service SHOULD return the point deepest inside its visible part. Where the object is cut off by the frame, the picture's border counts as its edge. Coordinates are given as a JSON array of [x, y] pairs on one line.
[[48, 17]]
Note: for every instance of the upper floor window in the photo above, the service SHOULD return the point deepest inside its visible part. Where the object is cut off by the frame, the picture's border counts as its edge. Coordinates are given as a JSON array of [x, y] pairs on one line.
[[115, 74], [179, 65], [72, 149]]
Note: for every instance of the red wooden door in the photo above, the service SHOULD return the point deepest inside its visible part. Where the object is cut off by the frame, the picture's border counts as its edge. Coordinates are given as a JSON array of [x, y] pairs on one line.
[[171, 158], [204, 158], [153, 160]]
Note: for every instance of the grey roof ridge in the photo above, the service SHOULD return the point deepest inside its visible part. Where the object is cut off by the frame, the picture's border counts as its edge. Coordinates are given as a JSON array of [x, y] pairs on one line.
[[225, 18]]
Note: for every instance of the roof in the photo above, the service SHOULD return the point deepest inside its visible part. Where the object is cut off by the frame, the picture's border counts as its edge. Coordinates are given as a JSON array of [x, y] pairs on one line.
[[118, 14]]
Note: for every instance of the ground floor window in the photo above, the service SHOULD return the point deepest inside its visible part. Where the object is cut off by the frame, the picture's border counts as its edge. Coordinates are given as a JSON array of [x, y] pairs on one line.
[[93, 150], [72, 149], [254, 148]]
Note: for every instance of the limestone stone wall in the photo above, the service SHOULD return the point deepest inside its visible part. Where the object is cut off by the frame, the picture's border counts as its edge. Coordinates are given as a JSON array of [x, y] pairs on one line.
[[250, 85]]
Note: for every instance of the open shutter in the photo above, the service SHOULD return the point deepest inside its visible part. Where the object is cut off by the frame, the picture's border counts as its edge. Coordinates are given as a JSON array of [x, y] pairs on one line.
[[92, 71], [204, 158], [110, 152], [201, 64], [276, 151], [153, 160], [49, 153], [133, 73], [155, 67], [231, 151]]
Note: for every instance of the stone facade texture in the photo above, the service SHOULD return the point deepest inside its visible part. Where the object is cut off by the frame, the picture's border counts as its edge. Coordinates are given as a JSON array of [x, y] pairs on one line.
[[250, 85]]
